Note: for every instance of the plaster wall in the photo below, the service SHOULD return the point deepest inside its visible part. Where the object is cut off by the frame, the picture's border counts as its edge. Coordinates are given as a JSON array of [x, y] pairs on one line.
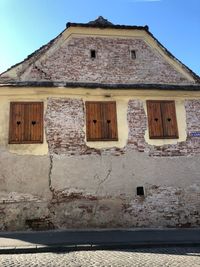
[[67, 182], [108, 175]]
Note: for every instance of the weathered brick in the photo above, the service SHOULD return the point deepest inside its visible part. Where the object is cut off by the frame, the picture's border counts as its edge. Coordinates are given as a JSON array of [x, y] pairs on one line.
[[137, 122], [65, 120], [113, 64], [64, 123]]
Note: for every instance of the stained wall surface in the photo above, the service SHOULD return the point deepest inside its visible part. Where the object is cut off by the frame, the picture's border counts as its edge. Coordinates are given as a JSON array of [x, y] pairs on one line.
[[67, 182]]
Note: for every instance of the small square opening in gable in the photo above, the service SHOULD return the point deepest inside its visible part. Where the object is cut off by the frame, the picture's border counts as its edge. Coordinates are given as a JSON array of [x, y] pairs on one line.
[[133, 54], [93, 53]]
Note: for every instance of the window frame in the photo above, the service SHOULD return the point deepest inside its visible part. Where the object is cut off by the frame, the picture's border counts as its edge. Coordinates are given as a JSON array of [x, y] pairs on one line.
[[23, 141]]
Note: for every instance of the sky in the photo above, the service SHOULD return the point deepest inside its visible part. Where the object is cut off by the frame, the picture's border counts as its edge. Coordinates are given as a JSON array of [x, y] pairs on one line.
[[26, 25]]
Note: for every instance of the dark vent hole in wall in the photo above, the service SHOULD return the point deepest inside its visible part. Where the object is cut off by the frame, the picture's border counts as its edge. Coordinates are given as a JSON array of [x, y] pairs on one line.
[[92, 53], [140, 191], [133, 54]]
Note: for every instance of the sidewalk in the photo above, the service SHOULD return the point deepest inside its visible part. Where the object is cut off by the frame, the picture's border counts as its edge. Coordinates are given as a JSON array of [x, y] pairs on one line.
[[88, 239]]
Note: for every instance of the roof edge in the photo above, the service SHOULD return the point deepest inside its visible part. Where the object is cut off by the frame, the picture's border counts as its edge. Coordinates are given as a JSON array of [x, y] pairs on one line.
[[56, 84], [36, 52], [101, 26], [191, 72]]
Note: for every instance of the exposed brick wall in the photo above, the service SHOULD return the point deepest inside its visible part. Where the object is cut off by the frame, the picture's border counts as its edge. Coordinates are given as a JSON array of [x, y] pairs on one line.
[[14, 197], [193, 115], [64, 126], [113, 64], [165, 206], [137, 122], [65, 121], [25, 215], [168, 206]]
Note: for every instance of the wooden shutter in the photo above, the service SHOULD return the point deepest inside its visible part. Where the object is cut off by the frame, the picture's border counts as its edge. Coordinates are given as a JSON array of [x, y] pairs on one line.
[[162, 119], [109, 121], [154, 119], [170, 129], [26, 122], [33, 122], [101, 121], [94, 120], [16, 129]]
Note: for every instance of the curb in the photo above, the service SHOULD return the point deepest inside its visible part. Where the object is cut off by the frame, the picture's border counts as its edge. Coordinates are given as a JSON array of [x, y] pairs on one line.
[[90, 247]]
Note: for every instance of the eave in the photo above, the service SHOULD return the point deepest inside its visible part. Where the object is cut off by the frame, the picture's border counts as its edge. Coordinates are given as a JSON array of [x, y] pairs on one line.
[[135, 86]]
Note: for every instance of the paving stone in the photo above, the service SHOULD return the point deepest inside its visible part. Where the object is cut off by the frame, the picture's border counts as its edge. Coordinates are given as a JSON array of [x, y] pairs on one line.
[[144, 257]]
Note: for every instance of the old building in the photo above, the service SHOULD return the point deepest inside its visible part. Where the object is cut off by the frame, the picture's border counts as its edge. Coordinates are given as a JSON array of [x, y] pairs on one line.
[[100, 128]]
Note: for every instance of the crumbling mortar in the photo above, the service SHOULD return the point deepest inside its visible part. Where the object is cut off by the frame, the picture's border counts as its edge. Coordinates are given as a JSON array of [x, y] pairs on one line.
[[60, 196]]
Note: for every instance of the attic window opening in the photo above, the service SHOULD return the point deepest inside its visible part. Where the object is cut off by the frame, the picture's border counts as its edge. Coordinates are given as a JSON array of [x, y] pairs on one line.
[[133, 54], [93, 53]]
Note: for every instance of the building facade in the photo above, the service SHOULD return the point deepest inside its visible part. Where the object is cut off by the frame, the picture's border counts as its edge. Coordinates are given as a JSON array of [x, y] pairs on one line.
[[100, 128]]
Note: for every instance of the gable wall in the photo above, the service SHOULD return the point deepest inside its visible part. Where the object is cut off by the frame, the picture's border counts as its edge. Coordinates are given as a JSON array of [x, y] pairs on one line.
[[113, 64]]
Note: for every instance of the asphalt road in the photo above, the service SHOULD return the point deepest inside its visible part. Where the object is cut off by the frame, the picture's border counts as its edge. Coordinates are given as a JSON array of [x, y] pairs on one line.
[[144, 257]]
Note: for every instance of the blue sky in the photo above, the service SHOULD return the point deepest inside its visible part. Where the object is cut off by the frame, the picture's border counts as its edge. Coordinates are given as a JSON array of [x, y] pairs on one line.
[[25, 25]]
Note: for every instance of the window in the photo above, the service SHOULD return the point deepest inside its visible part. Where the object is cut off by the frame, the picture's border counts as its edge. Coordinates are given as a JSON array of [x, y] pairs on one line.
[[26, 123], [101, 121], [133, 54], [162, 119], [92, 53]]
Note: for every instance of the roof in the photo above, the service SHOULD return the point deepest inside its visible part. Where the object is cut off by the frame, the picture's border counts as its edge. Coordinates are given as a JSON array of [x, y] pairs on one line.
[[101, 23]]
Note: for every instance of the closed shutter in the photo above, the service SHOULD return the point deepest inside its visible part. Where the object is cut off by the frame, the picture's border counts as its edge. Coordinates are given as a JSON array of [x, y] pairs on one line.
[[109, 121], [33, 122], [26, 122], [170, 129], [162, 119], [16, 130], [154, 119], [94, 121], [101, 121]]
